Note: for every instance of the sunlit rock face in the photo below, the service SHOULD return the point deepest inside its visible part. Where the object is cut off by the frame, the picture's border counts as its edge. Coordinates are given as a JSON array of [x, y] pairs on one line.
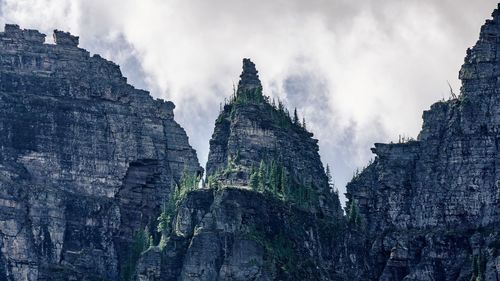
[[86, 160], [431, 205]]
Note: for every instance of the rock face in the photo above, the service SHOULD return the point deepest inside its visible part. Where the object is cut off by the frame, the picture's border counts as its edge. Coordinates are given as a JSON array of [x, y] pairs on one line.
[[426, 209], [251, 129], [431, 206], [86, 160], [233, 231], [238, 234]]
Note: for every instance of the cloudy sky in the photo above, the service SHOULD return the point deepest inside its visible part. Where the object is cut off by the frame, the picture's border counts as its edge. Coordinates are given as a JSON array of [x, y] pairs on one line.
[[360, 71]]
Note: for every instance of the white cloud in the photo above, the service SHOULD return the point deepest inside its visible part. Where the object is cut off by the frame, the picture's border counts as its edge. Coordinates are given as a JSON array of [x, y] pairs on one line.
[[361, 72]]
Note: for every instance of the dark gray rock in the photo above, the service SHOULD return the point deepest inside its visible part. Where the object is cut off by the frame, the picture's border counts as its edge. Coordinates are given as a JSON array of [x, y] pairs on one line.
[[86, 160], [250, 129], [434, 202], [65, 39], [238, 234], [425, 209], [249, 79]]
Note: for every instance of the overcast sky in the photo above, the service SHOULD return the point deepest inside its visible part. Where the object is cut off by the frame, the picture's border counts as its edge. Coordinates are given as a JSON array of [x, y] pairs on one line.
[[360, 71]]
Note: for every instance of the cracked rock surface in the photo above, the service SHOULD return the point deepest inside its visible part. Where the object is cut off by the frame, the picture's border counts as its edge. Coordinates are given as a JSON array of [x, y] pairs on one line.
[[86, 160], [432, 206], [426, 209]]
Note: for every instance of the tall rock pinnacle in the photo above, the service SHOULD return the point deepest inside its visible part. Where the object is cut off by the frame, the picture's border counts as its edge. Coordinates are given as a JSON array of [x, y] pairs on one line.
[[252, 133], [249, 79]]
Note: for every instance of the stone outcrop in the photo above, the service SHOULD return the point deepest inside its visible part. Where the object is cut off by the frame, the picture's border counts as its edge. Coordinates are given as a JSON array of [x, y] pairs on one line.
[[431, 206], [86, 160], [251, 129], [238, 234], [65, 39], [232, 231]]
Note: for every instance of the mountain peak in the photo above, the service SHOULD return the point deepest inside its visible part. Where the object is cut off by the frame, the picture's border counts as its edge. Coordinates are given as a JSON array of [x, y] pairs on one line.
[[249, 78]]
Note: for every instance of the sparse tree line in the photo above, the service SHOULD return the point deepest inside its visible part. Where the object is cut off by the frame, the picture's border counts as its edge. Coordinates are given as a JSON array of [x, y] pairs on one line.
[[143, 239], [188, 183], [273, 178], [277, 108]]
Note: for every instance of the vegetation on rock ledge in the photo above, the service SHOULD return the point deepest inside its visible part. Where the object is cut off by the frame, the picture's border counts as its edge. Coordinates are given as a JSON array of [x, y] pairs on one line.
[[188, 183]]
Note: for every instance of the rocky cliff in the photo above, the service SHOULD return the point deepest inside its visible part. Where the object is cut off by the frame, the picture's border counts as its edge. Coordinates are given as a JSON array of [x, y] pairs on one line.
[[267, 213], [252, 131], [426, 209], [86, 160], [431, 206], [91, 168]]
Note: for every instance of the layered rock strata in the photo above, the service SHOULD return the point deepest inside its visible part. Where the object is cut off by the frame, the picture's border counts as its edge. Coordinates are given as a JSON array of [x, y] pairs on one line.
[[252, 129], [431, 206], [426, 209], [86, 160]]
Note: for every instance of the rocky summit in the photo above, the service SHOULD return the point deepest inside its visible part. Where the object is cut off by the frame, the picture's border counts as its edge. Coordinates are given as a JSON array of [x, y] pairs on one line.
[[98, 181], [255, 135], [86, 160], [267, 211]]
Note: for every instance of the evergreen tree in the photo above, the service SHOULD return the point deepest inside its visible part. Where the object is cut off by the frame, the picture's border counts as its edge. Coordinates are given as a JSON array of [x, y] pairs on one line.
[[141, 242], [309, 195], [281, 107], [284, 184], [189, 181], [480, 269], [213, 182], [254, 179], [304, 123], [262, 176], [295, 117], [354, 216], [273, 178], [229, 163], [268, 174]]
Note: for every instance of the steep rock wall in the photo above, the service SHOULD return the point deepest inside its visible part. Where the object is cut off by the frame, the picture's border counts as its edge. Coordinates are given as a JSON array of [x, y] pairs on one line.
[[431, 206], [251, 129], [86, 160], [426, 209], [238, 234]]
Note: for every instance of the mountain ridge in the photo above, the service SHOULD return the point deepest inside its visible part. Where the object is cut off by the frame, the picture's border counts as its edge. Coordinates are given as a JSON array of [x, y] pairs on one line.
[[98, 181]]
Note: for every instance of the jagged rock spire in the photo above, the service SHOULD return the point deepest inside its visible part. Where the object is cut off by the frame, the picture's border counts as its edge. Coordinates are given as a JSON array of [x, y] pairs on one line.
[[249, 79]]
